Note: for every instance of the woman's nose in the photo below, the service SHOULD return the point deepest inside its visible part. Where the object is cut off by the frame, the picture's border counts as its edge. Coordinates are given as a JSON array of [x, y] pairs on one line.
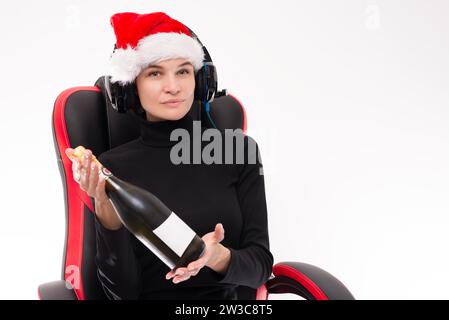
[[172, 84]]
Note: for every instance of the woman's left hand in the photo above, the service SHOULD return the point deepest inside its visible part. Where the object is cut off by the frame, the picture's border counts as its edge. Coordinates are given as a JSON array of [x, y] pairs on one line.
[[212, 254]]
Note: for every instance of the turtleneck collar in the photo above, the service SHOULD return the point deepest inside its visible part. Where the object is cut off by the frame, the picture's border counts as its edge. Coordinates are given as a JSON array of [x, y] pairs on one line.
[[157, 133]]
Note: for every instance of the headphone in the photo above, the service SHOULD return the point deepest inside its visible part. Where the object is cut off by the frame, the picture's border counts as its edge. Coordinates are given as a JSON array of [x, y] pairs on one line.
[[124, 98]]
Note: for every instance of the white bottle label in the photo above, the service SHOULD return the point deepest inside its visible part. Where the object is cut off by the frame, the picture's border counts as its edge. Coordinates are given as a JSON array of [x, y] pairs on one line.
[[175, 233]]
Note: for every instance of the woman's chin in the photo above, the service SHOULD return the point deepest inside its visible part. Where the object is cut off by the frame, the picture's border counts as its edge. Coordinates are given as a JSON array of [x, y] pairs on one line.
[[174, 114]]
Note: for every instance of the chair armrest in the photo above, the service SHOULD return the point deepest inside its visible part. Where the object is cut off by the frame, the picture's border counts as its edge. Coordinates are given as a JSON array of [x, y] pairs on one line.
[[308, 281], [56, 290]]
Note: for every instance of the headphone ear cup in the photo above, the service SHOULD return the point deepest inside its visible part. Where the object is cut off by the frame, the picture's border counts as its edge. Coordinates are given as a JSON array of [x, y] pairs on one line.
[[199, 85], [133, 102], [206, 83], [119, 97], [211, 82], [124, 98]]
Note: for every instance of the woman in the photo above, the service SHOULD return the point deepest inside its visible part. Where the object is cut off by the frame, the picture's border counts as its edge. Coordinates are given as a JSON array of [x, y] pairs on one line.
[[158, 54]]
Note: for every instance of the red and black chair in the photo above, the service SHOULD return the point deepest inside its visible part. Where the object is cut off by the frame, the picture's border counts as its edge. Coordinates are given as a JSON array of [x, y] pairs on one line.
[[83, 116]]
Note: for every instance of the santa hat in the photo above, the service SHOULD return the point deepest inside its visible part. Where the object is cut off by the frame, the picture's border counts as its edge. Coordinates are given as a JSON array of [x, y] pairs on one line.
[[144, 39]]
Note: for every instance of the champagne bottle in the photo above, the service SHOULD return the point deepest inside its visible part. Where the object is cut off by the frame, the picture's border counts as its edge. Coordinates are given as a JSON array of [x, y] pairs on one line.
[[149, 219]]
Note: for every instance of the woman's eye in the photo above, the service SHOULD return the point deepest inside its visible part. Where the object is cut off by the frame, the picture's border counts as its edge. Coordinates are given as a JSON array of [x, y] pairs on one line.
[[155, 73]]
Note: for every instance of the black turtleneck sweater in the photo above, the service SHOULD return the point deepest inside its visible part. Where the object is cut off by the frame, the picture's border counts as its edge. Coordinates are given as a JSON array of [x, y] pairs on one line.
[[202, 195]]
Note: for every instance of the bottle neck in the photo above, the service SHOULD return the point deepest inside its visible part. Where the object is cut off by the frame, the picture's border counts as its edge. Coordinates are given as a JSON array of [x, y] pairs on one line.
[[110, 183]]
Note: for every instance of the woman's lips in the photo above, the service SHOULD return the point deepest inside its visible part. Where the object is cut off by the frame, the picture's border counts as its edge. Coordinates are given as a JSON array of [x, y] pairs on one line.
[[173, 104]]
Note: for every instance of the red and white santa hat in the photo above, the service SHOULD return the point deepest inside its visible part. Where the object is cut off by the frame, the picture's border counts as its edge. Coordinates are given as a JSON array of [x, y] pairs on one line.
[[144, 39]]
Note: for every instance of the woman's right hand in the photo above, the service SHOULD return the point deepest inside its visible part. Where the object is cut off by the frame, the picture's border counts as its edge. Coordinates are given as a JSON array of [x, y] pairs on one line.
[[86, 174]]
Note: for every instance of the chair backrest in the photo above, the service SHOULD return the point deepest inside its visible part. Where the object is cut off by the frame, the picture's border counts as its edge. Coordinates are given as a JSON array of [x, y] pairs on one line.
[[83, 116]]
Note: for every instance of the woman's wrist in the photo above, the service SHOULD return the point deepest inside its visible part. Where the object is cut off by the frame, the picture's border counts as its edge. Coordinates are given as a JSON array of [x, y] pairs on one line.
[[221, 263], [107, 216]]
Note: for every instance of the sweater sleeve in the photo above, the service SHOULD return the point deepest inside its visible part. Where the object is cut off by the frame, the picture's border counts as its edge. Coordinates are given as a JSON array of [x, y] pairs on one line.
[[118, 269], [251, 264]]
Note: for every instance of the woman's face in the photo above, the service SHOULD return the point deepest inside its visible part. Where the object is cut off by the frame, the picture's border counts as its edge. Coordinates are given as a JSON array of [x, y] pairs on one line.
[[172, 79]]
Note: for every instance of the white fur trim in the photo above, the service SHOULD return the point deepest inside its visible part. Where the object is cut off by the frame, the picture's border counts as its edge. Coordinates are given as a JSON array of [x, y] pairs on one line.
[[126, 64]]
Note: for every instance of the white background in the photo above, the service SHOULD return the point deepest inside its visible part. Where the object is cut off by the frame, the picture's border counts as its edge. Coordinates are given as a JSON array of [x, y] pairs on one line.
[[347, 99]]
